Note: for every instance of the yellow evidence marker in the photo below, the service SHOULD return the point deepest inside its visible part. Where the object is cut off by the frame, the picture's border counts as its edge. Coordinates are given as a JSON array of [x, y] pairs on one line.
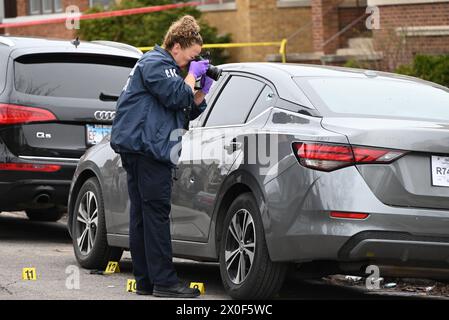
[[29, 274], [199, 286], [131, 285], [112, 267]]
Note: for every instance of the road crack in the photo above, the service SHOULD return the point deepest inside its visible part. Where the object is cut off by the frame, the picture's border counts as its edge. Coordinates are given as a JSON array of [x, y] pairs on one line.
[[4, 288]]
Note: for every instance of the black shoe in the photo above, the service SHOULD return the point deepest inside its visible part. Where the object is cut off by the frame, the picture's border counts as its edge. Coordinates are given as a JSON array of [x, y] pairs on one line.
[[176, 291], [143, 292]]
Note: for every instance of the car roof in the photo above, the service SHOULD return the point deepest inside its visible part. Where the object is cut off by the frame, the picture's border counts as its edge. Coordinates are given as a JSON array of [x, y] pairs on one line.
[[28, 45], [293, 70], [269, 69], [280, 74]]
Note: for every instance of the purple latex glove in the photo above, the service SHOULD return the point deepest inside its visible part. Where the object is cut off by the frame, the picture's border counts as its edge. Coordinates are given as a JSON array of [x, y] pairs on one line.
[[198, 68], [206, 83]]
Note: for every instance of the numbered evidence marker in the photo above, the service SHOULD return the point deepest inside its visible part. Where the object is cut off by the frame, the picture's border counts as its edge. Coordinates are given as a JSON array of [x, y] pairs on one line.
[[112, 267], [29, 274], [131, 286], [199, 286]]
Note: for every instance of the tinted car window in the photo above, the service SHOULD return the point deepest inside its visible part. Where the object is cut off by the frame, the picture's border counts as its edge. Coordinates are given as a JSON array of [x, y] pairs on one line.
[[209, 97], [72, 76], [381, 97], [235, 101], [264, 101]]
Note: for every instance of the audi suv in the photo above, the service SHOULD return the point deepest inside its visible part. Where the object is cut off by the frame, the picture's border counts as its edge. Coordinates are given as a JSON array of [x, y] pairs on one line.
[[292, 166], [57, 98]]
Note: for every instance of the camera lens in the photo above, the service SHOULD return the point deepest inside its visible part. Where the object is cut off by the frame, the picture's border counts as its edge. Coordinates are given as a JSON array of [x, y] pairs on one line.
[[213, 72]]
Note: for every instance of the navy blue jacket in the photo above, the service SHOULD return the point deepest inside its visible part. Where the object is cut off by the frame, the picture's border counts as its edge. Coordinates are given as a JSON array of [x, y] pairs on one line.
[[154, 102]]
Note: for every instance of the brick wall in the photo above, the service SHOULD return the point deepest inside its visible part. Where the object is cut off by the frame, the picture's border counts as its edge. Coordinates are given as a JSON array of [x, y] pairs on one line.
[[291, 20], [345, 17], [262, 21], [22, 7], [49, 30], [234, 22], [401, 50], [325, 25]]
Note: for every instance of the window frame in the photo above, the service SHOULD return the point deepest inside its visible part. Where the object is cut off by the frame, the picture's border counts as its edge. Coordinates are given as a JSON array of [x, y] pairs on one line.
[[272, 103], [41, 10], [211, 97], [278, 102], [91, 3], [293, 3], [220, 91], [220, 6], [219, 2]]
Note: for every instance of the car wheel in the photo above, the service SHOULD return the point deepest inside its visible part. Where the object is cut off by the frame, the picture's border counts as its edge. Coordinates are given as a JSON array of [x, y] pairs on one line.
[[246, 269], [50, 214], [89, 229]]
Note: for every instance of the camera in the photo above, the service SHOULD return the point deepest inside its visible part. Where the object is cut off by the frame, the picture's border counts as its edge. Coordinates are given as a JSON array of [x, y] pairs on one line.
[[212, 72]]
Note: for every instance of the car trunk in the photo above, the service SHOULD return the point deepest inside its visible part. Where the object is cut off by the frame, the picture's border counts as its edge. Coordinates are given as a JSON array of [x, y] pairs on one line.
[[78, 90], [418, 179]]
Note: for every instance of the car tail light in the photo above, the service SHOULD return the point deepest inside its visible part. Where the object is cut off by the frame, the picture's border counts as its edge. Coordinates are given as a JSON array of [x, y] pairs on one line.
[[29, 167], [349, 215], [328, 157], [14, 114]]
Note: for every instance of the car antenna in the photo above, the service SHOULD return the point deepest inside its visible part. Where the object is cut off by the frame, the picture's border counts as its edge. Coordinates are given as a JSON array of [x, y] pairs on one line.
[[76, 42]]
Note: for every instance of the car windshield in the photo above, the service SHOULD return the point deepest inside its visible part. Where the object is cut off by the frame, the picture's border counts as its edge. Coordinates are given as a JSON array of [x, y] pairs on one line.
[[377, 97], [72, 76]]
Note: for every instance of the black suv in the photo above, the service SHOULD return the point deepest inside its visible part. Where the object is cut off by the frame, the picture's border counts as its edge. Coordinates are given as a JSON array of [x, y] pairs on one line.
[[57, 98]]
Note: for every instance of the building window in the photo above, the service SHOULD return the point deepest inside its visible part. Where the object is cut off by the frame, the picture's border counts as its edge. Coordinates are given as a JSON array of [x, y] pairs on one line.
[[206, 2], [101, 3], [10, 9], [217, 5], [293, 3], [44, 6]]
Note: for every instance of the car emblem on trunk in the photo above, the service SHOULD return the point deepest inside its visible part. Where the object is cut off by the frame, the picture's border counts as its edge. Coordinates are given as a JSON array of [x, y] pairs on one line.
[[43, 135], [104, 115]]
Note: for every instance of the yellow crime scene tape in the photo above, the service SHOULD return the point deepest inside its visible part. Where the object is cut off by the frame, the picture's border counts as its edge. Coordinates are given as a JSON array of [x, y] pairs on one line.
[[282, 46]]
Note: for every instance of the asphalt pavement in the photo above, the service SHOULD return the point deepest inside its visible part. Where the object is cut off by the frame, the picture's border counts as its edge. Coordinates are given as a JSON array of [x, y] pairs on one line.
[[47, 247]]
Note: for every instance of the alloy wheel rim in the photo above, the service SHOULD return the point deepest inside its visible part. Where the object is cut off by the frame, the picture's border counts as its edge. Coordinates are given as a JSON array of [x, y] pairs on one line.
[[240, 246], [87, 222]]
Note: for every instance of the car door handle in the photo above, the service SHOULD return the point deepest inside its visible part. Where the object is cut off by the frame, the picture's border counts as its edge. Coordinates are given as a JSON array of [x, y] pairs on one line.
[[233, 146]]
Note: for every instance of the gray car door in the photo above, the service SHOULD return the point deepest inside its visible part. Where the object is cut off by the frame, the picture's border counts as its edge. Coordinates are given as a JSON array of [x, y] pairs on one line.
[[115, 192], [208, 153]]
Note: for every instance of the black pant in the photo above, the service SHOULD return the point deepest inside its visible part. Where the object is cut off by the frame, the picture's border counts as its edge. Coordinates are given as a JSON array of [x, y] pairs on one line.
[[149, 188]]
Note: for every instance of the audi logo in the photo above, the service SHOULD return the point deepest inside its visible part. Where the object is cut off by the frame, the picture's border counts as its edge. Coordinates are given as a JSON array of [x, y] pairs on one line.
[[104, 115]]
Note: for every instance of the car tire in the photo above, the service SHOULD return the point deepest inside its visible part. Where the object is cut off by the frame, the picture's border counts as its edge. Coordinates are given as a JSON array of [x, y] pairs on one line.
[[263, 278], [91, 247], [49, 215]]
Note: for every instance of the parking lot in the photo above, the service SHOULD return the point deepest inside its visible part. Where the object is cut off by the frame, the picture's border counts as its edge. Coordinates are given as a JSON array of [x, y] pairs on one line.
[[48, 248], [313, 138]]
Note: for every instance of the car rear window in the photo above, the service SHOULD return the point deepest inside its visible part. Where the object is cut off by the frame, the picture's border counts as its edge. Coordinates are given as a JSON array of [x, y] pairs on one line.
[[72, 75], [378, 97]]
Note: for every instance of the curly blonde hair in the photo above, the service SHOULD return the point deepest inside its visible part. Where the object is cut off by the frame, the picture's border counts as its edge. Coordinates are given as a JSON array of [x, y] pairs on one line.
[[185, 31]]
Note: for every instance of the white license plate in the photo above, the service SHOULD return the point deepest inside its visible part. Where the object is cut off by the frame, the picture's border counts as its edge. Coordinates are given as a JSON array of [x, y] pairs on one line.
[[440, 171], [96, 132]]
